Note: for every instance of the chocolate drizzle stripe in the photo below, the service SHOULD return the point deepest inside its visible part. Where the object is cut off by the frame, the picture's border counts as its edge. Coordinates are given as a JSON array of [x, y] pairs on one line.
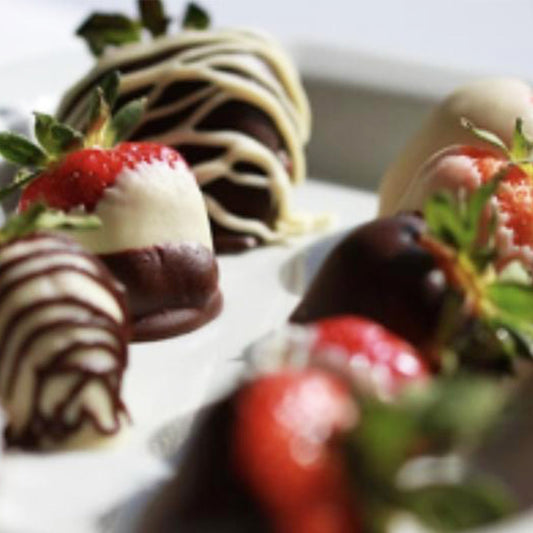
[[124, 67], [97, 330], [44, 273], [8, 266], [243, 69], [68, 301], [46, 329]]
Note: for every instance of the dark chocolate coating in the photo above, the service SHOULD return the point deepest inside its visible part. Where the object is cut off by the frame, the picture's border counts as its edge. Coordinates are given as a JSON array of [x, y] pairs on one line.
[[207, 495], [380, 271], [233, 115], [171, 289], [240, 200]]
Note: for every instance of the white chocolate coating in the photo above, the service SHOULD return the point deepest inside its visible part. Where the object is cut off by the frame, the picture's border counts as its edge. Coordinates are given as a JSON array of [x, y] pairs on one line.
[[63, 344], [453, 171], [153, 204], [491, 104], [220, 67]]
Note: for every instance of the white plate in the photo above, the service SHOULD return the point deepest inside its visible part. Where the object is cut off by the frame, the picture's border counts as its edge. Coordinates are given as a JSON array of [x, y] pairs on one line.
[[166, 381]]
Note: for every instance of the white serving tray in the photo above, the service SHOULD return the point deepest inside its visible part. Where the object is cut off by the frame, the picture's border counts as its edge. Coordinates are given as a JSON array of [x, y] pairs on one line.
[[365, 108]]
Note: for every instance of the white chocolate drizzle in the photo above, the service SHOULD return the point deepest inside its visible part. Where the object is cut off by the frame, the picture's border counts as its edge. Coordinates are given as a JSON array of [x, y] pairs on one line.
[[215, 68]]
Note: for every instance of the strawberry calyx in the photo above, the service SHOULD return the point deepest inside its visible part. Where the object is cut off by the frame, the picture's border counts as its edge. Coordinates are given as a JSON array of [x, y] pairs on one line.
[[520, 153], [39, 217], [56, 140], [399, 455], [101, 30], [499, 311]]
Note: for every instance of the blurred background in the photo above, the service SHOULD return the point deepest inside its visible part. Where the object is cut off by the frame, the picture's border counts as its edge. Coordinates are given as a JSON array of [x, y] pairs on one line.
[[487, 35], [369, 67]]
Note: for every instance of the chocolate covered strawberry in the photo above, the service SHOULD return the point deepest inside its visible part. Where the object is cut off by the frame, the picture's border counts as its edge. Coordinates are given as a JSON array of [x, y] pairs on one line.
[[463, 169], [298, 449], [284, 440], [432, 281], [377, 361], [155, 233]]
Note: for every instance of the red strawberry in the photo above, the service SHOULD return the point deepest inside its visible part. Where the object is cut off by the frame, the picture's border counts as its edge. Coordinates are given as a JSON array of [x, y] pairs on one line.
[[467, 168], [80, 178], [285, 433], [374, 354], [379, 361], [69, 169]]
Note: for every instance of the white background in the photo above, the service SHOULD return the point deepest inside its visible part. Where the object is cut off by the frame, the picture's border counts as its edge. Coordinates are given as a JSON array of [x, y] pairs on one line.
[[485, 36]]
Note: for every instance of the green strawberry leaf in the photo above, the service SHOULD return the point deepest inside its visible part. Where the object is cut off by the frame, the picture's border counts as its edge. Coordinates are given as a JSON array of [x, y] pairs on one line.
[[384, 439], [521, 146], [109, 85], [512, 299], [97, 133], [442, 219], [22, 178], [101, 30], [39, 217], [153, 17], [388, 434], [475, 207], [195, 18], [512, 314], [53, 219], [54, 137], [442, 417], [19, 150], [439, 420], [126, 119], [486, 136], [457, 507]]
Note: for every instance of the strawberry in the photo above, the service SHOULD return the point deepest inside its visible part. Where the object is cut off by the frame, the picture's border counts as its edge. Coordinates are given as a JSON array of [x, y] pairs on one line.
[[286, 425], [298, 450], [465, 168], [376, 360], [69, 169], [80, 178], [374, 354], [432, 280]]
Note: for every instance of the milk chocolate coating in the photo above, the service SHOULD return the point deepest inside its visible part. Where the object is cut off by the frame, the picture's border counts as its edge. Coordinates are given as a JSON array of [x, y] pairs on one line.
[[380, 271], [171, 289], [207, 495]]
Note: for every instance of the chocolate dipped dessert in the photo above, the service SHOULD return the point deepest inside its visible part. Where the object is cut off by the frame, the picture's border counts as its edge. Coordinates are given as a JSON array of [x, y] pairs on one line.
[[301, 447], [63, 341], [155, 235], [493, 104], [232, 104], [432, 279]]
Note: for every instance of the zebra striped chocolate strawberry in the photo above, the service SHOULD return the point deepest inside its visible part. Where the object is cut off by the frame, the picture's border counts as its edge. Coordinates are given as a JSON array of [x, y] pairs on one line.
[[155, 234], [63, 335], [432, 282]]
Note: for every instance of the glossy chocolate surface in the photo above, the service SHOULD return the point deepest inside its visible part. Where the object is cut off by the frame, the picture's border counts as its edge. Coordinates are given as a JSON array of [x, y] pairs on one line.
[[380, 271], [171, 289], [207, 495]]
